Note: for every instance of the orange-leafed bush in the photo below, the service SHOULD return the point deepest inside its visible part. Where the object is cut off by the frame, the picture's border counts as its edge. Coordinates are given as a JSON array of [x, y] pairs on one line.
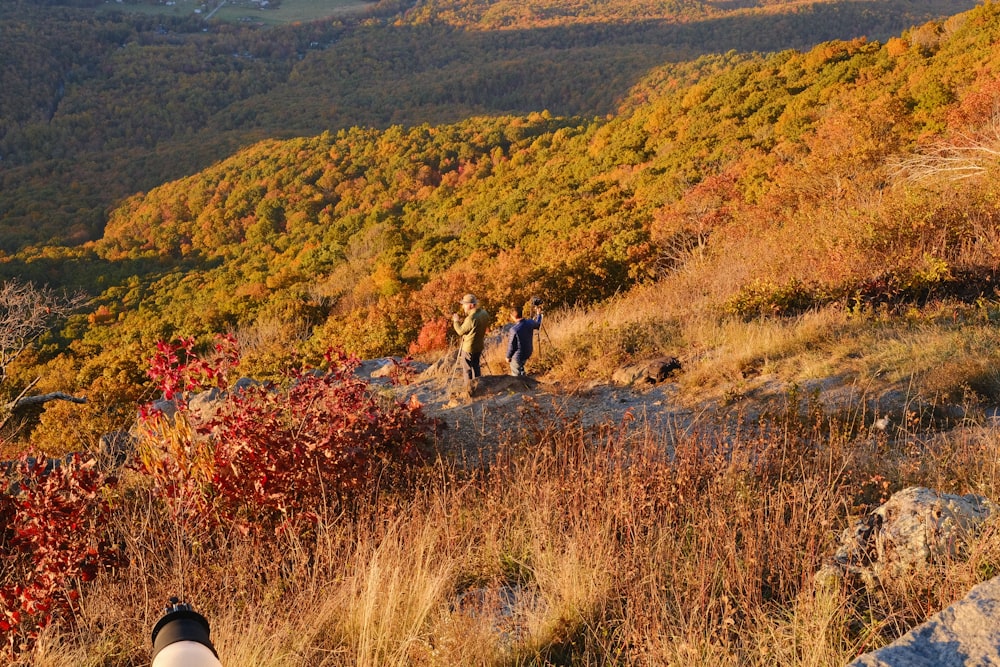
[[433, 336]]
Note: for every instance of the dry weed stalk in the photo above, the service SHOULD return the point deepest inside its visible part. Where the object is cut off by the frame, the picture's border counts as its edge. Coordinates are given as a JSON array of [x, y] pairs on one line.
[[960, 158]]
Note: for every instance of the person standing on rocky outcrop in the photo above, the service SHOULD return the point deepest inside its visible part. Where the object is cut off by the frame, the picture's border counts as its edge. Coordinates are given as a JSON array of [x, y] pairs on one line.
[[473, 332], [519, 344]]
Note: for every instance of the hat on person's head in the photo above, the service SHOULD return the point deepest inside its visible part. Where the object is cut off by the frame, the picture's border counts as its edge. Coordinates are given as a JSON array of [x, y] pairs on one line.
[[469, 299]]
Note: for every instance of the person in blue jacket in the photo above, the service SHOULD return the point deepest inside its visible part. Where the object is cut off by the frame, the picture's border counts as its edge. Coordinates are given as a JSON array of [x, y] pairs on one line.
[[520, 344]]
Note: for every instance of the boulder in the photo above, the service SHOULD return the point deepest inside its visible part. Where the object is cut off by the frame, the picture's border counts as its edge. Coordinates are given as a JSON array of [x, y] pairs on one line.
[[963, 634], [914, 528], [443, 366], [243, 384], [384, 367], [490, 385], [203, 405], [652, 371], [165, 406]]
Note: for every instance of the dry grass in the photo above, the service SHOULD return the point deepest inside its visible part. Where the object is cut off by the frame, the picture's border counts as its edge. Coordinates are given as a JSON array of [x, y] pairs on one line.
[[944, 352], [626, 544], [622, 545]]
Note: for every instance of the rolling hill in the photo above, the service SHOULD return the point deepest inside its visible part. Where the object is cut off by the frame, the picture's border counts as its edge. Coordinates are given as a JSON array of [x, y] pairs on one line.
[[99, 105]]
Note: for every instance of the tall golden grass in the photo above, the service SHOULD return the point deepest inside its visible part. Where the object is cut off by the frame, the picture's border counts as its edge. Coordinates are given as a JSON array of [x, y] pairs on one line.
[[632, 543], [946, 351]]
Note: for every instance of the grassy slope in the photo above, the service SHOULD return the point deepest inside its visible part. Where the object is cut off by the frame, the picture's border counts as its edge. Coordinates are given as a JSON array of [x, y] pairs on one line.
[[844, 218]]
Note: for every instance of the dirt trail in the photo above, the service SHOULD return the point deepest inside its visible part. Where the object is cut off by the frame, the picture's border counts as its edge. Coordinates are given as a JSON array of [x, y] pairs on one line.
[[501, 407]]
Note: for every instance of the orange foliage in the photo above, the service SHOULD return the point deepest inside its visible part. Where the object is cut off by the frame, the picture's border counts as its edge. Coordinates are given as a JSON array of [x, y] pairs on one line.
[[103, 315], [896, 47], [257, 291], [441, 294], [433, 336], [979, 106]]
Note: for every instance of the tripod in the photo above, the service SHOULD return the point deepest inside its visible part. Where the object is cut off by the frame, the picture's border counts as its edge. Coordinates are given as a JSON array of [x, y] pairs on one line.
[[539, 331]]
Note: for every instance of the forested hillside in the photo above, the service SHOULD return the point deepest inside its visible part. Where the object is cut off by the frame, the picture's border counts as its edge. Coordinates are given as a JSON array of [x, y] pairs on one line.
[[751, 185], [97, 106], [810, 237]]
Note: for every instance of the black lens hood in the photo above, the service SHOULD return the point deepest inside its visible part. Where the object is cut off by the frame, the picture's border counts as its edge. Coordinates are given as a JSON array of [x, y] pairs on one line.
[[179, 626]]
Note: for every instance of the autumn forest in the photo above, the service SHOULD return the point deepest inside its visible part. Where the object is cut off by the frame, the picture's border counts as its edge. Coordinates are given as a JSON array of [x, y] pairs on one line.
[[340, 181]]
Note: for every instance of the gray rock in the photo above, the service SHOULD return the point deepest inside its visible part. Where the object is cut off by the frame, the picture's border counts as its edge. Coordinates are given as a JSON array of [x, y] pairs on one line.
[[243, 384], [490, 385], [384, 367], [915, 527], [966, 633], [443, 366], [115, 448], [649, 372], [165, 406], [204, 405]]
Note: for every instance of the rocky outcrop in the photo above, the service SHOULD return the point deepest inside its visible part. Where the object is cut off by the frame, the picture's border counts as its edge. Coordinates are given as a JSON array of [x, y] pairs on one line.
[[386, 368], [444, 366], [915, 527], [653, 371], [490, 385], [966, 633], [202, 404]]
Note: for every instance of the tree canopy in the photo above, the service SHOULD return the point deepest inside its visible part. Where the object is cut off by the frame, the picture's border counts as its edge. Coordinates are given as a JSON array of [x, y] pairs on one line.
[[96, 106], [761, 184]]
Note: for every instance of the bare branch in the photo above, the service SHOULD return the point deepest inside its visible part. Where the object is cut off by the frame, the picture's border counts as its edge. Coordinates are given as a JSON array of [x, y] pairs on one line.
[[27, 312], [964, 156], [948, 162], [27, 401]]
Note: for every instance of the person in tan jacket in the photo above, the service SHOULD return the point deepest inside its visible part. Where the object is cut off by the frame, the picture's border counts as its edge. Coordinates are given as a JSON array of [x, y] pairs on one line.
[[473, 332]]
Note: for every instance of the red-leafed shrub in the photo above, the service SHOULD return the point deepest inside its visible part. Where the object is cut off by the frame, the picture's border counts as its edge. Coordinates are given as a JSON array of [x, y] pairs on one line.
[[433, 336], [54, 538], [270, 458], [178, 369]]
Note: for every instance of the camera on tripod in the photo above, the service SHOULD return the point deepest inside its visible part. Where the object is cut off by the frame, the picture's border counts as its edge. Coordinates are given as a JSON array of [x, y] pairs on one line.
[[181, 639], [536, 302]]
